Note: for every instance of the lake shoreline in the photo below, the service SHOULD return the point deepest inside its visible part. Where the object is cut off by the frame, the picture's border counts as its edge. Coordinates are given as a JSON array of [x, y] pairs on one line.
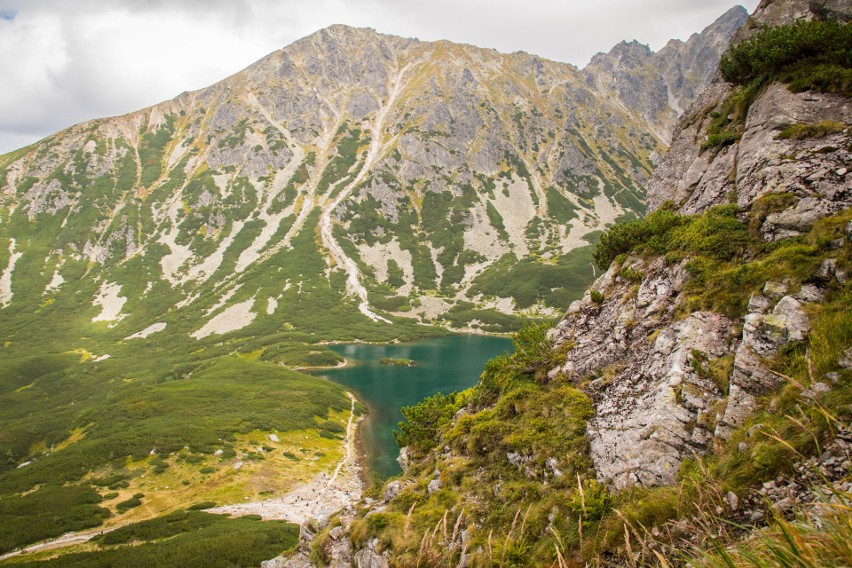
[[321, 497], [341, 365], [446, 332], [366, 476], [444, 364]]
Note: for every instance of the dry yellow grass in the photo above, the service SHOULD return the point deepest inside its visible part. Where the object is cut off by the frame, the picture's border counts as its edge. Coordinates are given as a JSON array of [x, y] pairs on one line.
[[183, 484]]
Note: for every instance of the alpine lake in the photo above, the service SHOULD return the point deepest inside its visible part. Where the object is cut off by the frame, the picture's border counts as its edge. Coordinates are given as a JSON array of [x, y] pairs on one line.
[[445, 365]]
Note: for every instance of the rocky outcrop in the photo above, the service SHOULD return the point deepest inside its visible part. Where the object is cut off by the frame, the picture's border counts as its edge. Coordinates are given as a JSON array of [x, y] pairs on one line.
[[653, 405], [761, 163], [657, 409], [603, 334], [765, 330], [641, 356]]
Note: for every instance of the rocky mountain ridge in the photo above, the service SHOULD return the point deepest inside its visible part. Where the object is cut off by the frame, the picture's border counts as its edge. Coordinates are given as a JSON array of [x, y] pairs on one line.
[[385, 154], [662, 85]]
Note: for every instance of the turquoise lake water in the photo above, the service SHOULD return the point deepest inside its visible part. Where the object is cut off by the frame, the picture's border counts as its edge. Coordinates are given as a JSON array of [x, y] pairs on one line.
[[444, 365]]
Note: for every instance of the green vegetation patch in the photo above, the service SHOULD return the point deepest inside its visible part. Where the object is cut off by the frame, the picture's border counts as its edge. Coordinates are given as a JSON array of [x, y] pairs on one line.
[[301, 355], [197, 409], [559, 207], [186, 539], [152, 146], [528, 281], [48, 512], [725, 285], [804, 54], [717, 234], [345, 157], [465, 314], [815, 130]]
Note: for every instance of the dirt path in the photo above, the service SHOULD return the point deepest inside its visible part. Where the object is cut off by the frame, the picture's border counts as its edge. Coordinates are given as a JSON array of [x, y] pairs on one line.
[[67, 539], [321, 497]]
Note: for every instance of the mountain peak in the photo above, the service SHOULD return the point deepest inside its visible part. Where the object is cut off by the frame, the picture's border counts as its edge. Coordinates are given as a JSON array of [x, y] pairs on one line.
[[658, 84], [338, 31]]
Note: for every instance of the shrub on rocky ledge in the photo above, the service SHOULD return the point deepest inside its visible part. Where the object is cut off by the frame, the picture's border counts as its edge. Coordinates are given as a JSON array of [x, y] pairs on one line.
[[794, 53], [716, 234]]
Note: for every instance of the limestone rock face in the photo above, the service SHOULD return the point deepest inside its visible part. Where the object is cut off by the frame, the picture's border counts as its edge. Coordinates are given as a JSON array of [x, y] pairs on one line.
[[655, 411], [369, 558], [652, 406], [762, 163], [813, 170], [640, 356], [765, 331], [601, 335]]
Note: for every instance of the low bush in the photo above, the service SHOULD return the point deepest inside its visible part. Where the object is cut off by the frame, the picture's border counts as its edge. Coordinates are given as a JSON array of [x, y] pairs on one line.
[[716, 234], [424, 421], [332, 426], [624, 237], [128, 504], [776, 50], [720, 138], [823, 78], [631, 275]]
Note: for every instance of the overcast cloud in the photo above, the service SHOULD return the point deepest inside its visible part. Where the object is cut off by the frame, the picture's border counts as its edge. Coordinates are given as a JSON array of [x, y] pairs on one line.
[[66, 62]]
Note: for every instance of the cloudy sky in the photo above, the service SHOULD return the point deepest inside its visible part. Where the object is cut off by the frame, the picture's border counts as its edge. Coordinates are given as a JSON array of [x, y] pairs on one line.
[[68, 61]]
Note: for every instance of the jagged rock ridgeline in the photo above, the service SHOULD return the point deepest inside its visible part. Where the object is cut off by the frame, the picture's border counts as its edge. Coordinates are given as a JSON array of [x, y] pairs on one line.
[[662, 85], [427, 170]]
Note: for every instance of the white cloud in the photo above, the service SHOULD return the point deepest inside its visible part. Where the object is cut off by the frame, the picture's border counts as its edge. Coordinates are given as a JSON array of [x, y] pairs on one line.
[[66, 62]]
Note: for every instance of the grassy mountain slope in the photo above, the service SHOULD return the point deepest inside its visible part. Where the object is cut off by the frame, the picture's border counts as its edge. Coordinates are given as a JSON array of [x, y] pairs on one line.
[[162, 272], [694, 407]]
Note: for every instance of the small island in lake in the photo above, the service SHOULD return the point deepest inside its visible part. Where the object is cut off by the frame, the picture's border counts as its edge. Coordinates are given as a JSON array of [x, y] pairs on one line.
[[397, 362]]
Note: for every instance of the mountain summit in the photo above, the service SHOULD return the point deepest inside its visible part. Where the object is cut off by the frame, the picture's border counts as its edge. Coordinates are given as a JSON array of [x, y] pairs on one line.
[[441, 181]]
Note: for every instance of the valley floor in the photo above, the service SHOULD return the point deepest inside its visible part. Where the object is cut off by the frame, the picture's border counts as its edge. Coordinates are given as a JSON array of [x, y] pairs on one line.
[[323, 496]]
